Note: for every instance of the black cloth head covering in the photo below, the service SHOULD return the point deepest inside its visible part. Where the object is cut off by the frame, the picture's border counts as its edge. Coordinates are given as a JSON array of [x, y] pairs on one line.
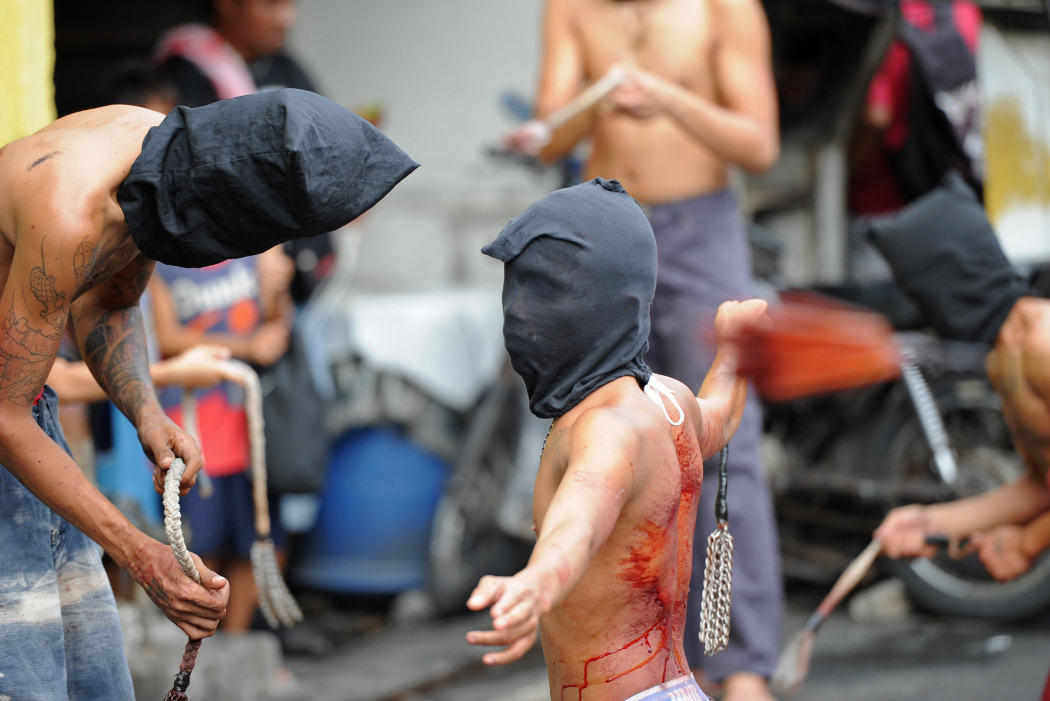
[[946, 256], [579, 277], [239, 176]]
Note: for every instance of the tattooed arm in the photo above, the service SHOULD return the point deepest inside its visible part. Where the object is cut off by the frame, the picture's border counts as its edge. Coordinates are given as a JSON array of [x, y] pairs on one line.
[[34, 305], [107, 324]]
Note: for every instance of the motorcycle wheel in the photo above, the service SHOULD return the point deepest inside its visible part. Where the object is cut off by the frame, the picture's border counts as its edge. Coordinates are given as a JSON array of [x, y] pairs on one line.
[[466, 541], [986, 459]]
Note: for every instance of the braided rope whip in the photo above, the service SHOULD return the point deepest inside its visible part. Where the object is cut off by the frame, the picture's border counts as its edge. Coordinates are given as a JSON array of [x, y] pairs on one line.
[[173, 529], [276, 602], [718, 571]]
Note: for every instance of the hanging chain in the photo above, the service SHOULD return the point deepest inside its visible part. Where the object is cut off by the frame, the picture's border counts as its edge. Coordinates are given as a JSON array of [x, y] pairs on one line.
[[718, 572]]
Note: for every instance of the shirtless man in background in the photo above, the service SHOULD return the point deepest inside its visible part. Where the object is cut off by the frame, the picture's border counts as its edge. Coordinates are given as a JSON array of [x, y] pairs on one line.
[[86, 206], [697, 98], [620, 475]]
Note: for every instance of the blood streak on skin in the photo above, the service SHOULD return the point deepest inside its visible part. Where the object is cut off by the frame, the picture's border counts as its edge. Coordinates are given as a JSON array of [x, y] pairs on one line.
[[649, 647], [641, 572]]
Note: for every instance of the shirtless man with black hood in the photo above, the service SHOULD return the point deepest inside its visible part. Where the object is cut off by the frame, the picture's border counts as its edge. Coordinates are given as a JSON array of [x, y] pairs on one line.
[[87, 205], [620, 474], [696, 98]]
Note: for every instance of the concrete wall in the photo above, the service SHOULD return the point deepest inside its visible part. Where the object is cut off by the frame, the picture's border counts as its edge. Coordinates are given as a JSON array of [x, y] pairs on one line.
[[438, 69]]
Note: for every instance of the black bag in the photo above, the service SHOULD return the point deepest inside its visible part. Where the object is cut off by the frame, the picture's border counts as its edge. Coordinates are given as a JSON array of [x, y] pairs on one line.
[[944, 109], [293, 412], [945, 255]]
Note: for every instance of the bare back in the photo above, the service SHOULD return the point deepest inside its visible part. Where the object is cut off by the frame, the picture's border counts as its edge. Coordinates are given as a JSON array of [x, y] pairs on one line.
[[64, 178], [620, 630]]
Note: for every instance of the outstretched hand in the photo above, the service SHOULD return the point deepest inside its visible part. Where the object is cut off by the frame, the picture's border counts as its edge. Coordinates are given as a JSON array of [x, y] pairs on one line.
[[195, 608], [198, 367], [516, 607]]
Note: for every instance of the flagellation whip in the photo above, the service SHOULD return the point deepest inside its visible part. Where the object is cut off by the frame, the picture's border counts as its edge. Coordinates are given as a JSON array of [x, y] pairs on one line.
[[275, 600], [173, 529], [814, 345], [718, 571]]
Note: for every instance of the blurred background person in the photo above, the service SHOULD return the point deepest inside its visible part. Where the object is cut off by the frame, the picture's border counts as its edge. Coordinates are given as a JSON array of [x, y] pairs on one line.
[[920, 119], [696, 100], [240, 52], [1009, 526], [223, 304]]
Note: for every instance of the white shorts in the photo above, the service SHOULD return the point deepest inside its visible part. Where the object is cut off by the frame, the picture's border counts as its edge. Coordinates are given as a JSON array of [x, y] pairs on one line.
[[681, 689]]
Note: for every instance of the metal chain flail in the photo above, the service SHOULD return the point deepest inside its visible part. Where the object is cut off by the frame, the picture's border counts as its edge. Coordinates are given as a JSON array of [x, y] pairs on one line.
[[276, 602], [718, 571], [173, 530]]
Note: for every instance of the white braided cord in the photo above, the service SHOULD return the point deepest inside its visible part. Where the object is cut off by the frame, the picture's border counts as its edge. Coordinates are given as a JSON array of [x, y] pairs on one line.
[[173, 518], [276, 602]]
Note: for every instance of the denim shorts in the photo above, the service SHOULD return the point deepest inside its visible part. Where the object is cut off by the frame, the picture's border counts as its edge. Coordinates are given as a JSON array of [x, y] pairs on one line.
[[60, 636]]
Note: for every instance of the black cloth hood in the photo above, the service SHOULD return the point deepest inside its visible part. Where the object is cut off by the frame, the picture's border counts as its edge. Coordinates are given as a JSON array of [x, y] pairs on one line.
[[239, 176], [579, 278]]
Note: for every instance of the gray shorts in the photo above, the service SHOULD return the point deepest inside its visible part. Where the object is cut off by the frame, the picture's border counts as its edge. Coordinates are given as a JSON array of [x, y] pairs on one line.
[[59, 632]]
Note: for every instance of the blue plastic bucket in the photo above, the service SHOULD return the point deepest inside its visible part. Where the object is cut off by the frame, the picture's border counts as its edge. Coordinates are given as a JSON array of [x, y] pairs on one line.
[[373, 524]]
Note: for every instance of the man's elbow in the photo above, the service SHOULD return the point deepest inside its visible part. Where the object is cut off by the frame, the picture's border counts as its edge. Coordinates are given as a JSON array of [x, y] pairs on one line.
[[763, 157]]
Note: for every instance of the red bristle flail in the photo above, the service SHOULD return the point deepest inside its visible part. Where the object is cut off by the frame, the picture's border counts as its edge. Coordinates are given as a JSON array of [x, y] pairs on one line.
[[813, 345]]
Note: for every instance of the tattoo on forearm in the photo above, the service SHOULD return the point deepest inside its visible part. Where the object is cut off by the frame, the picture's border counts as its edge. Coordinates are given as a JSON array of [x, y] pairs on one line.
[[115, 349], [43, 158]]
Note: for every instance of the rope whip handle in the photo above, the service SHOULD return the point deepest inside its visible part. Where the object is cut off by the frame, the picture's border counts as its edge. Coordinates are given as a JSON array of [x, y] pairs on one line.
[[721, 499], [173, 519], [173, 530], [249, 380]]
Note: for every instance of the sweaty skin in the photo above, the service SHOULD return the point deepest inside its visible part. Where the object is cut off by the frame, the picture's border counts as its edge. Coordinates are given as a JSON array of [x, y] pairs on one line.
[[615, 501], [67, 259], [698, 97]]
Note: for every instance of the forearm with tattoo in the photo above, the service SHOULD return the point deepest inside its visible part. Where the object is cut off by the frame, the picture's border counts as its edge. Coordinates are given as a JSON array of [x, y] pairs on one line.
[[108, 325], [115, 350]]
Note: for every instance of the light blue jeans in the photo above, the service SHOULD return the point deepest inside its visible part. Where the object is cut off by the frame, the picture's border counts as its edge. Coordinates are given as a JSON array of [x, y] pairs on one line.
[[59, 632]]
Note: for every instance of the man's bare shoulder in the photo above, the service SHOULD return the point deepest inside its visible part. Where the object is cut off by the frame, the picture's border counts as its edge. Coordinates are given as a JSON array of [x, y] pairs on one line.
[[736, 16], [612, 425], [127, 116], [64, 176]]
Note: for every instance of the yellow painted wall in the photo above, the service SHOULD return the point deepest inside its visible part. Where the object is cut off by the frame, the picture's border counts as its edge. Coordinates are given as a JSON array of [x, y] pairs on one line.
[[1017, 160], [27, 62]]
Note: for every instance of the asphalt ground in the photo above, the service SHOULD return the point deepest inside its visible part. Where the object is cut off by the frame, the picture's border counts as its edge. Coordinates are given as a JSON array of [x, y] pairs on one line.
[[881, 652]]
